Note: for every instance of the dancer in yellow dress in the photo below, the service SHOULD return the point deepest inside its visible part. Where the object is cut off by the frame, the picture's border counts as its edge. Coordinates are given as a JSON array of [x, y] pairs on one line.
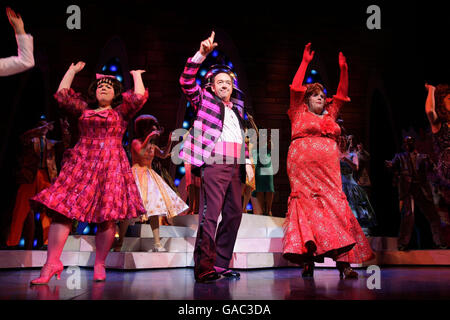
[[157, 196]]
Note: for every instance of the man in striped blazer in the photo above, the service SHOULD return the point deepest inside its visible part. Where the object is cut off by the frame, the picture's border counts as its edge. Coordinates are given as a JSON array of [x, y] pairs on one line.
[[215, 143]]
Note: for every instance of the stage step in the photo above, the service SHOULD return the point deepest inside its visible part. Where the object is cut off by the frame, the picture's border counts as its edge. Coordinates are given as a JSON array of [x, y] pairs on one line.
[[241, 260]]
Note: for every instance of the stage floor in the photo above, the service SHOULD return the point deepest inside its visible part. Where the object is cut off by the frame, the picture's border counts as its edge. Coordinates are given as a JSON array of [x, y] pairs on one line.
[[422, 283]]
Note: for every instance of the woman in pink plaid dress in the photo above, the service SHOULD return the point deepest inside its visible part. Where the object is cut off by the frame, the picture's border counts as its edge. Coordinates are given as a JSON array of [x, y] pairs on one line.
[[95, 184]]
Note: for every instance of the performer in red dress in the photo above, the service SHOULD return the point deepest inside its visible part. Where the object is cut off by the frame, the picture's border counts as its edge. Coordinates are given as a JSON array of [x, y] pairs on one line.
[[319, 221], [95, 184]]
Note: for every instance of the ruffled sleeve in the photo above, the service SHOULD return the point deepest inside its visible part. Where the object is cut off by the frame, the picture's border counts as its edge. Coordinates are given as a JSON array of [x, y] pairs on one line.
[[296, 101], [336, 103], [132, 103], [71, 101]]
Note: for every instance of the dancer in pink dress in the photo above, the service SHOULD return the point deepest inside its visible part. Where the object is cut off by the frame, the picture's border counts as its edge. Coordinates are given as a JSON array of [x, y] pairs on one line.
[[319, 221], [95, 184]]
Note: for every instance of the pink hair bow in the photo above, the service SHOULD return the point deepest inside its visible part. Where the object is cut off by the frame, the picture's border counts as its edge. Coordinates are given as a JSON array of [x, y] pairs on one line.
[[100, 76]]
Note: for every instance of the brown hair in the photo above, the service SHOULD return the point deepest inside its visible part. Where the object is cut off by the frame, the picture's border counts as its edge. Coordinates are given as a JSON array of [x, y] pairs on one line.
[[442, 90], [311, 89]]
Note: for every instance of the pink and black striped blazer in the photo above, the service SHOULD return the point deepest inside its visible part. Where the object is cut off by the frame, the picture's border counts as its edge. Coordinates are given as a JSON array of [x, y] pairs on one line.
[[208, 123]]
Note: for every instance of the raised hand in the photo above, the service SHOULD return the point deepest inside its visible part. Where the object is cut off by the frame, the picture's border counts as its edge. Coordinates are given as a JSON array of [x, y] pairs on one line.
[[308, 55], [77, 67], [15, 20], [429, 87], [136, 72], [208, 45], [342, 61]]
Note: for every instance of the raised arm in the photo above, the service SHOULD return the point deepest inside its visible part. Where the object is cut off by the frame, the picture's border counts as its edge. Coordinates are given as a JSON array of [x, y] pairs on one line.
[[67, 80], [187, 80], [342, 90], [166, 153], [138, 83], [430, 107], [24, 59], [308, 55]]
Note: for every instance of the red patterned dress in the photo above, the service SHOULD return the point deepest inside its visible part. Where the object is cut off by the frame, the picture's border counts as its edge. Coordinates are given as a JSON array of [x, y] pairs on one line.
[[318, 210], [96, 183]]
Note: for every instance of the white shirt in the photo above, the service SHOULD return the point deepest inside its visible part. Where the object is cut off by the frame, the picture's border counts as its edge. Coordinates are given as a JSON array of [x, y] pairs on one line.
[[24, 59]]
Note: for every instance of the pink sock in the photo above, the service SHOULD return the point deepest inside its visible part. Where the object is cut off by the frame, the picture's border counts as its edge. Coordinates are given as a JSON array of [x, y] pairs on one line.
[[103, 241]]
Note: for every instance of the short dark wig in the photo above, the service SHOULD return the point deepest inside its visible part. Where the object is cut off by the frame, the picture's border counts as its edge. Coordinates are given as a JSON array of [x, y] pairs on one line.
[[118, 89]]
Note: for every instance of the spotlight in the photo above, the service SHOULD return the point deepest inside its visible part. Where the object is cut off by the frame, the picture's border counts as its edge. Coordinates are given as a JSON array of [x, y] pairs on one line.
[[182, 170], [35, 243], [230, 65], [37, 215], [199, 82], [104, 68], [249, 206], [113, 68], [309, 80], [86, 230], [22, 242], [188, 104], [185, 124], [215, 53], [119, 78], [313, 72], [324, 90], [177, 182], [202, 72], [95, 230]]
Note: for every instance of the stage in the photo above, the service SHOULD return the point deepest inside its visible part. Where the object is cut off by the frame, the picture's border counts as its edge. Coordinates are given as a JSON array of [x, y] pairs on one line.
[[415, 283]]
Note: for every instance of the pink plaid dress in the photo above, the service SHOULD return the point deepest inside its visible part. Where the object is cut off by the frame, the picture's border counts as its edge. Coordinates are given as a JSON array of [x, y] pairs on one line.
[[96, 183]]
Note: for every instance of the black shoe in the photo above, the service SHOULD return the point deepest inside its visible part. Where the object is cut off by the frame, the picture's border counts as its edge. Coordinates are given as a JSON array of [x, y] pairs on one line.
[[209, 277], [230, 274], [402, 247], [440, 247], [308, 270]]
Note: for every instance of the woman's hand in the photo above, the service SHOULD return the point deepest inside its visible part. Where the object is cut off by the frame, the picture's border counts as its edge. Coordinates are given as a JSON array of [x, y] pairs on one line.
[[308, 55], [77, 67], [136, 72], [429, 87], [342, 61], [15, 20], [208, 45]]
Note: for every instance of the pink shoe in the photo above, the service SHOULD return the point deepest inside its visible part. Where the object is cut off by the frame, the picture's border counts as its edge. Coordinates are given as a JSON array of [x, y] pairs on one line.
[[47, 272], [99, 272]]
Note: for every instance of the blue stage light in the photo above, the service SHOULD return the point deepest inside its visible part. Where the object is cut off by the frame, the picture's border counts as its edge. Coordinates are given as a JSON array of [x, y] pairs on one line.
[[37, 215], [113, 68], [119, 78], [230, 64], [324, 90], [22, 242], [199, 82], [182, 170], [177, 182], [86, 230], [185, 124], [104, 68], [215, 53], [35, 243], [95, 229], [309, 80], [313, 72], [188, 104], [249, 206], [203, 72], [245, 116]]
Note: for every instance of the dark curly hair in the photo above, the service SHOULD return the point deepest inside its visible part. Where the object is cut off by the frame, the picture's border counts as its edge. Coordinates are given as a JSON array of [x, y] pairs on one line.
[[442, 90], [118, 89], [311, 89], [143, 126]]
